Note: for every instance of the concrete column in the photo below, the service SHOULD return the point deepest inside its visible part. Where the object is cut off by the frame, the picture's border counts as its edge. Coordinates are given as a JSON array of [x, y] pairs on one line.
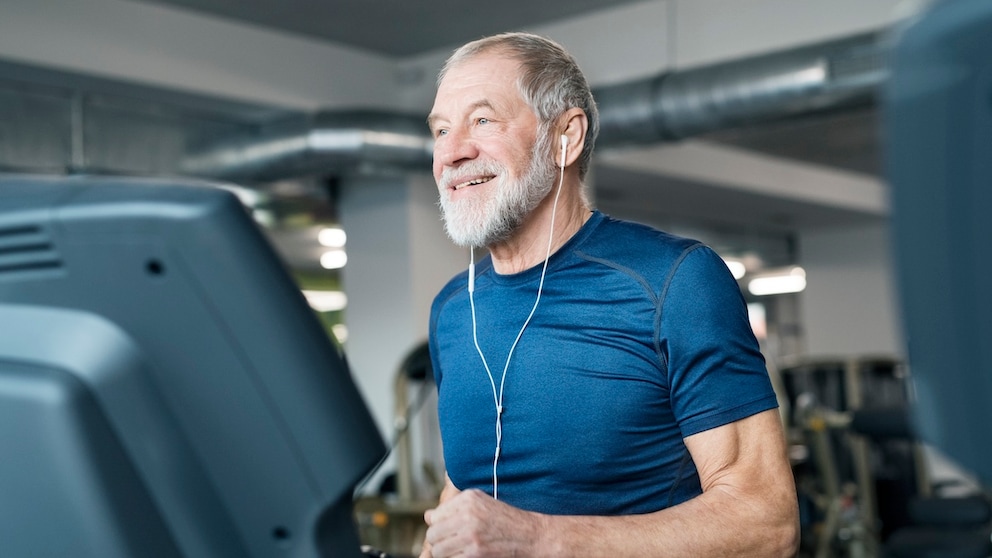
[[398, 259]]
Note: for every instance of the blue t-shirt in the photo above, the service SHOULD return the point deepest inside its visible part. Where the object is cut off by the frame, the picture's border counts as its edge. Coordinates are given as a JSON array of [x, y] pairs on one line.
[[641, 339]]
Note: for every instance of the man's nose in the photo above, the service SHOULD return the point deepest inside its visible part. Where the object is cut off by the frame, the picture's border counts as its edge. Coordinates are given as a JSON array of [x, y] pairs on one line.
[[453, 147]]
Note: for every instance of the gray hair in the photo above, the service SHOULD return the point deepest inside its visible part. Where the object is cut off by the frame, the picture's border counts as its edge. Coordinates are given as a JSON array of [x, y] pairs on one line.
[[551, 81]]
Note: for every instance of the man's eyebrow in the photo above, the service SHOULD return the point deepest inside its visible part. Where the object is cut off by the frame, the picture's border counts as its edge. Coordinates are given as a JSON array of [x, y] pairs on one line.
[[482, 103]]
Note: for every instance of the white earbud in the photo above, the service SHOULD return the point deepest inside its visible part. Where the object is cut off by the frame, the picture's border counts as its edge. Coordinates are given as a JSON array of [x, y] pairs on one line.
[[564, 149]]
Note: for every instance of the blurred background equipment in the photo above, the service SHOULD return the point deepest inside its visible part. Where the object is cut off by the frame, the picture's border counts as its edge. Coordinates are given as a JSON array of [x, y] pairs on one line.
[[391, 518], [838, 478], [865, 482]]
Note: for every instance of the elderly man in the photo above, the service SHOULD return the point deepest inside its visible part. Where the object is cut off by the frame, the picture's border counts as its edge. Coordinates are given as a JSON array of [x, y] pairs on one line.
[[600, 391]]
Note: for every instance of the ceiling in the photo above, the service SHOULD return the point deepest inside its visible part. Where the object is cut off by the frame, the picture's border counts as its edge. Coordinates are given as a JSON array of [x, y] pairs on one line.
[[394, 27]]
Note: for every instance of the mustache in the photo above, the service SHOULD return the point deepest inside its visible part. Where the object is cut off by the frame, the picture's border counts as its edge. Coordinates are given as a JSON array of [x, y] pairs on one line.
[[451, 176]]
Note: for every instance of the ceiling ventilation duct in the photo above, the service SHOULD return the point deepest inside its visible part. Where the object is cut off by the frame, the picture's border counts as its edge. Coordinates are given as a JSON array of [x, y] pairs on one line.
[[325, 142], [681, 104], [671, 106]]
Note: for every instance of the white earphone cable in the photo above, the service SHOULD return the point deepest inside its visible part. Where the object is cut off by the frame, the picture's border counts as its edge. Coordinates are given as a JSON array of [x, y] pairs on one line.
[[498, 393]]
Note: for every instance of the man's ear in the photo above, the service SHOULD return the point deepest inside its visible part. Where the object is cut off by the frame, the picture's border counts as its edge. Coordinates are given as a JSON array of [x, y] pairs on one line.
[[574, 126]]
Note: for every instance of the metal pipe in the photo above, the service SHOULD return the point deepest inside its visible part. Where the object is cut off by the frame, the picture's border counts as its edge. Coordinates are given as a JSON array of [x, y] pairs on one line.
[[401, 425], [682, 104], [322, 143]]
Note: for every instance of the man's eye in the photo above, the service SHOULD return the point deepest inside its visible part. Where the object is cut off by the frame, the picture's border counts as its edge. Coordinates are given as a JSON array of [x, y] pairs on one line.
[[483, 121], [441, 133]]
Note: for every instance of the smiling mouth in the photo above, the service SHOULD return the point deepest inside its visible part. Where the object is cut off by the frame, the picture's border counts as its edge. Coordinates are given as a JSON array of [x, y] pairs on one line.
[[473, 182]]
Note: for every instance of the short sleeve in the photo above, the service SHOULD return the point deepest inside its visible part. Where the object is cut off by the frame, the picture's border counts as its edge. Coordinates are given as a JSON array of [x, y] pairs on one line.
[[716, 372]]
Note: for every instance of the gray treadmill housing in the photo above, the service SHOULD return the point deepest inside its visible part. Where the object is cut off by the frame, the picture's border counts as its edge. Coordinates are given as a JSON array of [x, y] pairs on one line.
[[165, 390]]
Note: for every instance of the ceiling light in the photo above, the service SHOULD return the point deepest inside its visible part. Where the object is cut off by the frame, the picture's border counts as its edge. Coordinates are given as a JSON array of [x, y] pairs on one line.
[[333, 259], [736, 267], [788, 280], [326, 301], [332, 237]]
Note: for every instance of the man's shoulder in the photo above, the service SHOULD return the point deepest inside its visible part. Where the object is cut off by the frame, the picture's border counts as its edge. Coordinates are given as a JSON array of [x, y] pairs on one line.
[[630, 243], [455, 285]]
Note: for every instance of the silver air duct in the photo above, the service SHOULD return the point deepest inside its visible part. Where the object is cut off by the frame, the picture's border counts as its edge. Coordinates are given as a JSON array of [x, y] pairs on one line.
[[325, 142], [671, 106], [774, 86]]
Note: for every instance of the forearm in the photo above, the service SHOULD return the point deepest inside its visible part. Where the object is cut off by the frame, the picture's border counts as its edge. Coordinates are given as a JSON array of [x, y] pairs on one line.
[[716, 523], [748, 507]]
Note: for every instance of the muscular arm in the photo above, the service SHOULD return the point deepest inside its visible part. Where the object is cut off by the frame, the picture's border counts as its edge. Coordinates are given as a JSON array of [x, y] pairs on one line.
[[748, 508]]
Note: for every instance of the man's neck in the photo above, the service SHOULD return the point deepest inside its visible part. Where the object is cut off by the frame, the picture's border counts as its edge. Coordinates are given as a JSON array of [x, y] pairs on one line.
[[529, 244]]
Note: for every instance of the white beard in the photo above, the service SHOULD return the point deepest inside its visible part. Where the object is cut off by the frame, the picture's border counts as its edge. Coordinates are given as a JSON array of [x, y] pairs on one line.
[[485, 221]]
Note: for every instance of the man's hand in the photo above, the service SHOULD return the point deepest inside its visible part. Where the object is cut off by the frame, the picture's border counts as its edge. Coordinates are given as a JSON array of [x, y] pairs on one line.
[[449, 491], [474, 525]]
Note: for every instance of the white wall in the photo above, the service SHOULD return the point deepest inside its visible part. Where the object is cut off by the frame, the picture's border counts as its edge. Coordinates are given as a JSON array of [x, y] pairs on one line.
[[849, 305]]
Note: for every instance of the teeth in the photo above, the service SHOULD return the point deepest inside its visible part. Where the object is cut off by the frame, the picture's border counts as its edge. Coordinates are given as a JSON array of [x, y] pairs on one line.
[[474, 182]]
